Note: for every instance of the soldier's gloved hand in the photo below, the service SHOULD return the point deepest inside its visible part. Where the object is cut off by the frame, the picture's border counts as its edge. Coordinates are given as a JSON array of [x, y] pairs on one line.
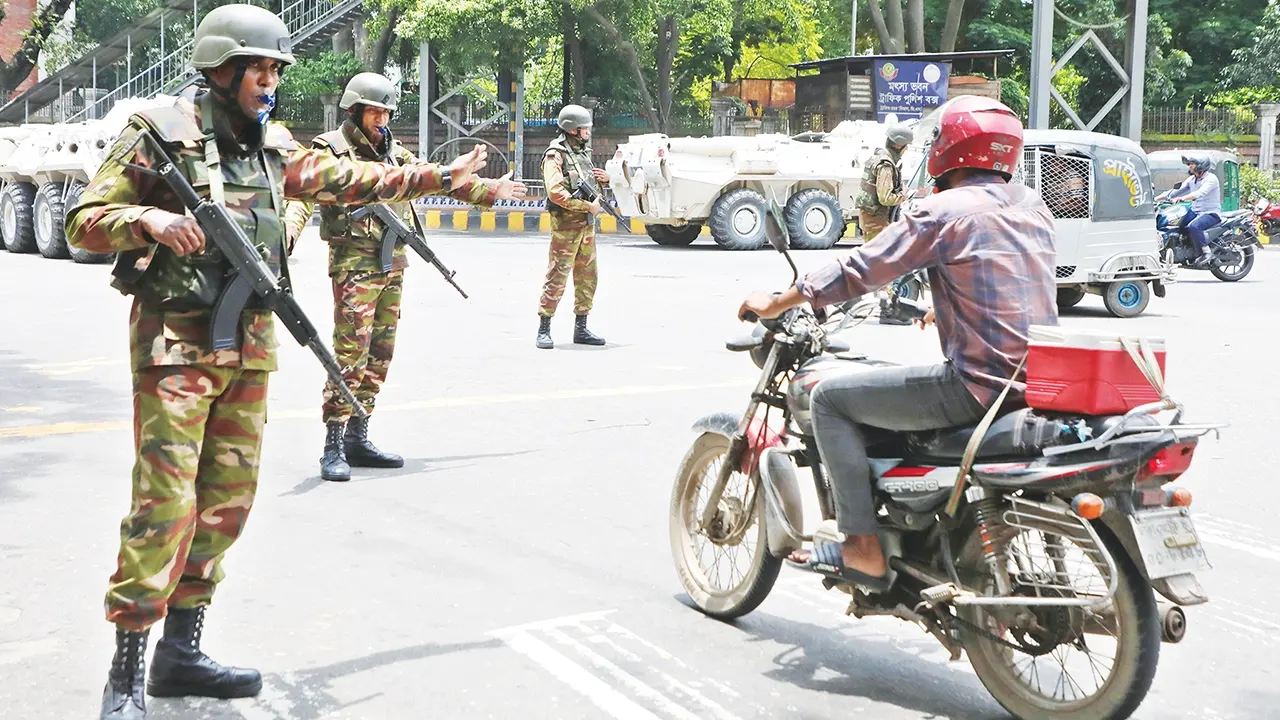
[[465, 167], [179, 232], [509, 189]]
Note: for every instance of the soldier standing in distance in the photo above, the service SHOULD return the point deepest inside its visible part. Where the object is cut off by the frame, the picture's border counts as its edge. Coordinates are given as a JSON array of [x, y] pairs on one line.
[[881, 189], [881, 193], [565, 166], [198, 413], [366, 299]]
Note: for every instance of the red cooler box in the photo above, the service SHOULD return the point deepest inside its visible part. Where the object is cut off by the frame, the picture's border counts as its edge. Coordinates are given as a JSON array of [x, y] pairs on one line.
[[1078, 371]]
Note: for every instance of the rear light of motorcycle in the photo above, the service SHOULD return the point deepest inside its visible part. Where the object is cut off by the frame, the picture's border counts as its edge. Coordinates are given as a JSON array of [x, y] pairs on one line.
[[1180, 497], [1169, 463]]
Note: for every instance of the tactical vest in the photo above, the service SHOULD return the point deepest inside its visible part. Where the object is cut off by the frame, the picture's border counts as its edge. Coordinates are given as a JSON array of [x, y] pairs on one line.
[[250, 187], [869, 197], [577, 163], [336, 227]]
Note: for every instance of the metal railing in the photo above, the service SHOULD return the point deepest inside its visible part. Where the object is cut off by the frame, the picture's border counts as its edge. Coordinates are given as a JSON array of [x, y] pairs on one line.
[[301, 17], [1230, 121]]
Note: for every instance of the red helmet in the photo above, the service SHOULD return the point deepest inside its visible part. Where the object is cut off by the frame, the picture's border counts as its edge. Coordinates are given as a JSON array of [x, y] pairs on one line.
[[975, 132]]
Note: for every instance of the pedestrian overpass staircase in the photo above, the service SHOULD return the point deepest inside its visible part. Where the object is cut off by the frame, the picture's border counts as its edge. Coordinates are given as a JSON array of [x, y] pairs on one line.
[[306, 19]]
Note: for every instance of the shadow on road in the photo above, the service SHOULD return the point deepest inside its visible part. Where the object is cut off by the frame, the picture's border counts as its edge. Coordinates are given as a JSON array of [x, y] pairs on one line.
[[828, 661], [304, 695]]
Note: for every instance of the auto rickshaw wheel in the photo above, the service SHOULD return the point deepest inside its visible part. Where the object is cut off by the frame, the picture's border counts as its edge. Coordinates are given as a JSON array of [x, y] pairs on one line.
[[1126, 298], [1070, 296]]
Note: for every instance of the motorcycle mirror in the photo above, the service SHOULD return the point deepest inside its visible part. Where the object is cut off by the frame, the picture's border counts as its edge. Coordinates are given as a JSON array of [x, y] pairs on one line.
[[774, 230]]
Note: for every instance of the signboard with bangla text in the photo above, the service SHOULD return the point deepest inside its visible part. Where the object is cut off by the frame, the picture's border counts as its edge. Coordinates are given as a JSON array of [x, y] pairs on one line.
[[906, 89]]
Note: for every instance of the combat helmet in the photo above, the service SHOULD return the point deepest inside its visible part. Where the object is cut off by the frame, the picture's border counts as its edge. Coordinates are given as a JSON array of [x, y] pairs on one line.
[[899, 134], [573, 117], [372, 89], [240, 31]]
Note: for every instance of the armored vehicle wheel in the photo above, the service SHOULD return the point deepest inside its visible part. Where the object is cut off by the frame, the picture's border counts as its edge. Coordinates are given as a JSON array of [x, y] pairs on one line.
[[16, 217], [1127, 298], [737, 220], [51, 237], [1070, 296], [671, 235], [814, 220], [78, 255]]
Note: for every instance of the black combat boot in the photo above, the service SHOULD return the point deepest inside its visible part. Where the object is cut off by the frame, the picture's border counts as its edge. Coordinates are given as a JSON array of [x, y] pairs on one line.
[[123, 698], [179, 669], [544, 333], [583, 336], [333, 464], [361, 452]]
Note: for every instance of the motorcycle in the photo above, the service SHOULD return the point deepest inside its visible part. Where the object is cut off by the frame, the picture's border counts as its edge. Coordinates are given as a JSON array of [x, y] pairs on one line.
[[1037, 564], [1232, 242], [1268, 216]]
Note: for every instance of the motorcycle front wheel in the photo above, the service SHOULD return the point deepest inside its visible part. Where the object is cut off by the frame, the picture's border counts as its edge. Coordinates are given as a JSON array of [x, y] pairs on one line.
[[726, 570], [1072, 663]]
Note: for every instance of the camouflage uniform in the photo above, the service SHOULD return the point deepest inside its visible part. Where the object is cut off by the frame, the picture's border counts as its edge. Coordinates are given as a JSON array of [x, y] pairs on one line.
[[366, 300], [573, 228], [199, 414], [881, 191]]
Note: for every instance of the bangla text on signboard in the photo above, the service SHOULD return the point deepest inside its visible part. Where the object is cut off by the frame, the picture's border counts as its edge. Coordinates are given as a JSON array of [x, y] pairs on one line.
[[906, 89]]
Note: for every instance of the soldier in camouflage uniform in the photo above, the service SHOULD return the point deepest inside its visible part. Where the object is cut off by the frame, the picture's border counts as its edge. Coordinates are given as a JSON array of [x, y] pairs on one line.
[[366, 299], [199, 413], [880, 195], [566, 164]]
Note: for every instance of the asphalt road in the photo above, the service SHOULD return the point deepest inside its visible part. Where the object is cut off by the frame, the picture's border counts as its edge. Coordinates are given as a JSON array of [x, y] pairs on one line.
[[518, 565]]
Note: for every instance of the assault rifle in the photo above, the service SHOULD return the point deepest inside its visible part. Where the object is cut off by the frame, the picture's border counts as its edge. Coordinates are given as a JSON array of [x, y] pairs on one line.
[[586, 192], [252, 276], [395, 231]]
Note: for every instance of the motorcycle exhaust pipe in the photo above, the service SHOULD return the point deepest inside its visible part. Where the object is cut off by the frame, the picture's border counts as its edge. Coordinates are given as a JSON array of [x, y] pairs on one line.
[[1173, 623]]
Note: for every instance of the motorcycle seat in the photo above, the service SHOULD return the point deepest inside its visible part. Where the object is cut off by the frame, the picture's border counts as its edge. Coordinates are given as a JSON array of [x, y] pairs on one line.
[[1018, 434]]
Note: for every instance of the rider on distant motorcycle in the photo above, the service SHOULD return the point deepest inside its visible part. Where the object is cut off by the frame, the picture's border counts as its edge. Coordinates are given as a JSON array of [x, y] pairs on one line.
[[988, 248], [1205, 194]]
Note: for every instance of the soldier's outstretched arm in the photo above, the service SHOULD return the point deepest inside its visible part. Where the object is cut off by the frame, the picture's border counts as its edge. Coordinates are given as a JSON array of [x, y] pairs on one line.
[[557, 185], [107, 218], [320, 177], [296, 215]]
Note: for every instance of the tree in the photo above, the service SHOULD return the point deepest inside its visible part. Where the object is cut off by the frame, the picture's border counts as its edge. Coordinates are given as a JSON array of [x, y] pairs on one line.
[[1257, 64], [17, 68]]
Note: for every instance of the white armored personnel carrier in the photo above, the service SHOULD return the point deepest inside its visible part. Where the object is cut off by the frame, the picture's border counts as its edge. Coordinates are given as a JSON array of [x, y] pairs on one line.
[[678, 185], [43, 170]]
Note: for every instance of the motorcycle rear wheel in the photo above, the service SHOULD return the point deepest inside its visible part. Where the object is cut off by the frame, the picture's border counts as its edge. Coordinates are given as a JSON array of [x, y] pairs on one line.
[[1232, 273], [702, 559], [1132, 613]]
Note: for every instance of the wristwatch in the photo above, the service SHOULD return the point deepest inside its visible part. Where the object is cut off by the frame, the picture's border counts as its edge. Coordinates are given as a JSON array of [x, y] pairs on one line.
[[446, 179]]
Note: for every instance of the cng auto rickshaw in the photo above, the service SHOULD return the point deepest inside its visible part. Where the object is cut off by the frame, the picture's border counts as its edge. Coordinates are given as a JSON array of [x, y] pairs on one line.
[[1098, 188]]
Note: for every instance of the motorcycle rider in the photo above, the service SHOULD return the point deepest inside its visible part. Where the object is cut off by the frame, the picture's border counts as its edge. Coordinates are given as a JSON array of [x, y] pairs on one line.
[[1205, 193], [988, 246]]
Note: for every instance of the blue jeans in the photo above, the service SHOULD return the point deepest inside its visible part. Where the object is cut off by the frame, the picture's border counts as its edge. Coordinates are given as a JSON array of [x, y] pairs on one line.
[[1197, 223]]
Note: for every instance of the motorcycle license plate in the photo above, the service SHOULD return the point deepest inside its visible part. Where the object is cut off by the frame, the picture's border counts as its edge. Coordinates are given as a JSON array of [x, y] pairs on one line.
[[1168, 542]]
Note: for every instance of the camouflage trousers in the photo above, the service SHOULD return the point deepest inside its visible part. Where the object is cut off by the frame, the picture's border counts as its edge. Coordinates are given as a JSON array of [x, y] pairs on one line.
[[573, 248], [197, 433], [366, 311], [871, 224]]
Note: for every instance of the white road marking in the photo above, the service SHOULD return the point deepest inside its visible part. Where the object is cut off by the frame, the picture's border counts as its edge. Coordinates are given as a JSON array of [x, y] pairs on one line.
[[577, 649], [570, 673], [1266, 552]]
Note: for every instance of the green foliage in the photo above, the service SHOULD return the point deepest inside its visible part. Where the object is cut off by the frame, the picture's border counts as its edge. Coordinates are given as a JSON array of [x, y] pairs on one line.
[[1014, 94], [1255, 183], [1245, 97], [327, 73], [1257, 62]]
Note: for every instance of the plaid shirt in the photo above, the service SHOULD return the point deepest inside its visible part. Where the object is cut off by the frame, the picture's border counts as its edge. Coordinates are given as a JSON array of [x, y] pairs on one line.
[[988, 248]]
